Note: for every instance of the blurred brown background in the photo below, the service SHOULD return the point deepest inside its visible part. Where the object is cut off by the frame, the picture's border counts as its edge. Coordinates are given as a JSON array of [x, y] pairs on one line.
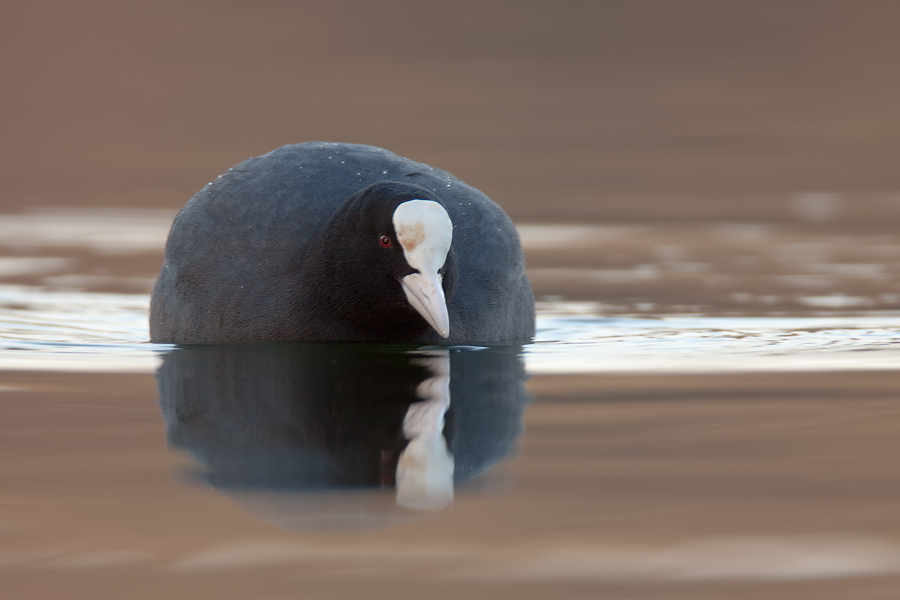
[[561, 111]]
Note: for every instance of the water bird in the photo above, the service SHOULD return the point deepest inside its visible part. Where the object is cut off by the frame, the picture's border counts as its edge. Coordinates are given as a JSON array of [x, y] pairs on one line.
[[341, 242]]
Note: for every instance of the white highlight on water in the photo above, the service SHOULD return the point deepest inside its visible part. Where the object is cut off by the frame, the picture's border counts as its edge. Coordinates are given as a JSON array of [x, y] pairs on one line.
[[98, 332]]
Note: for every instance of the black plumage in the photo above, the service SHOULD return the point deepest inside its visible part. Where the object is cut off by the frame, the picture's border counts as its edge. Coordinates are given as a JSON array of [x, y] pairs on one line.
[[281, 248]]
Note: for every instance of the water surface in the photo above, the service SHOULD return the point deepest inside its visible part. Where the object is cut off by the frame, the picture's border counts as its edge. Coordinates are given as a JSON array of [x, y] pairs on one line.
[[708, 196], [707, 443]]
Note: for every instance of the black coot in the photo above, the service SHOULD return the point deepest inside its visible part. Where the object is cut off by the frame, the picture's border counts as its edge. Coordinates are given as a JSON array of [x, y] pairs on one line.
[[341, 242]]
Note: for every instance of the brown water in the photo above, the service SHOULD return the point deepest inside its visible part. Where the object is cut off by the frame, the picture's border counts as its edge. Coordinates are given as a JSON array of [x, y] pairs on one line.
[[708, 199]]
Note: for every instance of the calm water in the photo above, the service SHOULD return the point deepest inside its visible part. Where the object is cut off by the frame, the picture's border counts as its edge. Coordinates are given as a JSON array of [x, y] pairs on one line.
[[708, 197], [706, 411]]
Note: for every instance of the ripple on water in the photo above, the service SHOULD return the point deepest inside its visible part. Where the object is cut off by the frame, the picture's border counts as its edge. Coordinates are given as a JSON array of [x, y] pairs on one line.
[[75, 331], [102, 332], [573, 338]]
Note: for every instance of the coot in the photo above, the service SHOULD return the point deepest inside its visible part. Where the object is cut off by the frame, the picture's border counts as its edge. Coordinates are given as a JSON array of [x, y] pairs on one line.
[[341, 242]]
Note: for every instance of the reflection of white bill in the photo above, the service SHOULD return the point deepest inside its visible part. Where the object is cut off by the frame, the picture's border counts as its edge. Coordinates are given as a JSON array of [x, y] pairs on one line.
[[425, 467]]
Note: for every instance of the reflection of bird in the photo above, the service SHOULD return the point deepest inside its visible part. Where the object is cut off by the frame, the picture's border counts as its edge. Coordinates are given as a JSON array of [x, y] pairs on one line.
[[425, 467], [338, 242], [338, 416]]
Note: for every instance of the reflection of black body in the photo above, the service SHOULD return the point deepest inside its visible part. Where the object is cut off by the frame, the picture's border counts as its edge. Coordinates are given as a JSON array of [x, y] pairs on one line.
[[318, 416]]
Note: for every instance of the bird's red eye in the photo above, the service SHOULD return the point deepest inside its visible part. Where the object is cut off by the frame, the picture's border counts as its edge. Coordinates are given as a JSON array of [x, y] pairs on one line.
[[384, 241]]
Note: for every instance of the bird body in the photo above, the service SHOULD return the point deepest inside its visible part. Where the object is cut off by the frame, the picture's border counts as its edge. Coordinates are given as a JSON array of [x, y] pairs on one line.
[[324, 242]]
